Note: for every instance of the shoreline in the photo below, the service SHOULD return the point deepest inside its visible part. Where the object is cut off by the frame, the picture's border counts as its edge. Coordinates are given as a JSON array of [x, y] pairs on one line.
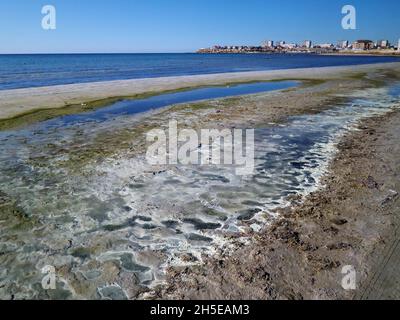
[[258, 110], [19, 102], [365, 54], [351, 53], [351, 220], [114, 145]]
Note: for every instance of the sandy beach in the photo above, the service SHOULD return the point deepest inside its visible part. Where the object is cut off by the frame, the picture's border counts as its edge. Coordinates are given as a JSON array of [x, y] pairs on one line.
[[200, 158], [17, 102], [299, 255], [353, 220]]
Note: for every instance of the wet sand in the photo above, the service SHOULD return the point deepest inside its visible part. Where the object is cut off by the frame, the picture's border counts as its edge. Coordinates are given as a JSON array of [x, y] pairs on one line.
[[300, 255], [258, 110], [353, 220], [18, 102]]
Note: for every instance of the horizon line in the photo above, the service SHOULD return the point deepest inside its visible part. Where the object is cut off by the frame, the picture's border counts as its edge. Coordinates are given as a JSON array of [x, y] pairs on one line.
[[44, 53]]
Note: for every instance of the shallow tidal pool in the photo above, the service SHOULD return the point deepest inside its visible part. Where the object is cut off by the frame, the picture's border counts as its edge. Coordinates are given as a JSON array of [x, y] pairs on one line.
[[111, 228]]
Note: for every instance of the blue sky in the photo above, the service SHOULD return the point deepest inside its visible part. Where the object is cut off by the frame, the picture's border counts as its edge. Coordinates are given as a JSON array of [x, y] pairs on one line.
[[186, 25]]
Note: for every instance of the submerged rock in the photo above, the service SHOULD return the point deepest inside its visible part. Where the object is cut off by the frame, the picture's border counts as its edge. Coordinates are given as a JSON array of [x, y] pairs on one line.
[[201, 225], [112, 293], [197, 237], [248, 214]]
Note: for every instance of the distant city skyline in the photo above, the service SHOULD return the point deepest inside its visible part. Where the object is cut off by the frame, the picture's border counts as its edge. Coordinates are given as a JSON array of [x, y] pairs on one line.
[[342, 46], [186, 25], [384, 42]]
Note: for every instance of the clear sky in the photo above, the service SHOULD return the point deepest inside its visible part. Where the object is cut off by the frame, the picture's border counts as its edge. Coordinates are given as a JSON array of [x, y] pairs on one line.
[[186, 25]]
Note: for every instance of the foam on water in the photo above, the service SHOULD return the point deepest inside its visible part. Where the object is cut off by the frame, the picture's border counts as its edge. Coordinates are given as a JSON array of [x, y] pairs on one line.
[[117, 225]]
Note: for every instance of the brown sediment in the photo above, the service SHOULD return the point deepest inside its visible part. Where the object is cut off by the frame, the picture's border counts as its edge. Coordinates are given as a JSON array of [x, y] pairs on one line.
[[353, 221], [12, 217]]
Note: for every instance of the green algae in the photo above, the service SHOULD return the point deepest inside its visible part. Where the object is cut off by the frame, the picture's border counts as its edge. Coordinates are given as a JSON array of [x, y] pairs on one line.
[[13, 217], [82, 253], [42, 114], [107, 144]]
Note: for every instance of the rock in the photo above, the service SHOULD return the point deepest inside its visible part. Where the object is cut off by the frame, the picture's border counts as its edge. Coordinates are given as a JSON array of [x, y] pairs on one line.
[[389, 198], [188, 257], [199, 238], [248, 214], [339, 246], [113, 292], [82, 253], [339, 222], [332, 230], [201, 225], [127, 208], [3, 198], [370, 183]]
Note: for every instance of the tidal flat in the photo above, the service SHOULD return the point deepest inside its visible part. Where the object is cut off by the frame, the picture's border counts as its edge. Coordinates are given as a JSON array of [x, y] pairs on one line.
[[79, 195]]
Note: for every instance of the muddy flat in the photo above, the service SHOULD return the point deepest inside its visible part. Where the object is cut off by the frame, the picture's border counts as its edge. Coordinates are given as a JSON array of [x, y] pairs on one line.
[[353, 220], [77, 193]]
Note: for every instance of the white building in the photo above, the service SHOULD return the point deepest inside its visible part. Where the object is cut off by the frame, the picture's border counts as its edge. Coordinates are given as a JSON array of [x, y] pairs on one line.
[[384, 44], [343, 44], [307, 44], [326, 45], [289, 45], [268, 44], [398, 45]]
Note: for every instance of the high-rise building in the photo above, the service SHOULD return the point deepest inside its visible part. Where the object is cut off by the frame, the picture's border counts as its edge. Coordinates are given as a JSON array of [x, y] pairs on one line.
[[268, 44], [307, 44], [398, 46], [363, 45], [289, 45], [343, 44], [383, 44], [325, 46]]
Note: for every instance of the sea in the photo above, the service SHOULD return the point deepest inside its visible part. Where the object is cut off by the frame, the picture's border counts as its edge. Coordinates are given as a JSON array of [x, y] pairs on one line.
[[37, 70]]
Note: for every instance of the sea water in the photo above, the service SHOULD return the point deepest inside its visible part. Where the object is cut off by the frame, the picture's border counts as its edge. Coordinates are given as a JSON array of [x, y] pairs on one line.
[[30, 70]]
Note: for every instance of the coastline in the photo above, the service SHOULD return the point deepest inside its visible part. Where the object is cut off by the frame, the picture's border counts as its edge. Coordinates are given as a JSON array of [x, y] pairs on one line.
[[365, 53], [292, 241], [317, 220], [352, 220], [200, 158], [257, 110], [300, 256], [78, 97]]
